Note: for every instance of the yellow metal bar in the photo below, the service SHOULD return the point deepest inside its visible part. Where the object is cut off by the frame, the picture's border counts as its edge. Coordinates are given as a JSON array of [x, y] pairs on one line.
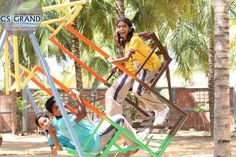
[[24, 68], [74, 15], [56, 7], [66, 11], [12, 75], [21, 75], [29, 77], [53, 21], [6, 58], [73, 9], [16, 63], [13, 86], [50, 28], [60, 27]]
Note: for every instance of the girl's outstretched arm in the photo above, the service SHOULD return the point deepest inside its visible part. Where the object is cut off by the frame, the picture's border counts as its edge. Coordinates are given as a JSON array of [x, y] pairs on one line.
[[121, 60]]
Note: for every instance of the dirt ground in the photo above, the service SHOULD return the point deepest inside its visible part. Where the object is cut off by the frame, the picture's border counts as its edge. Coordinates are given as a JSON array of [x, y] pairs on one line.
[[185, 144]]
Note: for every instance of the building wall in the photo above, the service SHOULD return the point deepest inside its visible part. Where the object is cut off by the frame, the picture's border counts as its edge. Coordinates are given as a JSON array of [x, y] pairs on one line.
[[5, 113]]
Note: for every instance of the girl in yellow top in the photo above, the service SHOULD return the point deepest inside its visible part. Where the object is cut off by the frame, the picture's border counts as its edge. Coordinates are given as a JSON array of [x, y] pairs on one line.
[[135, 52]]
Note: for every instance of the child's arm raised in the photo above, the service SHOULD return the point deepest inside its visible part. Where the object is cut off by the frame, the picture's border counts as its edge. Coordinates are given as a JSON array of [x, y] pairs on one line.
[[81, 112]]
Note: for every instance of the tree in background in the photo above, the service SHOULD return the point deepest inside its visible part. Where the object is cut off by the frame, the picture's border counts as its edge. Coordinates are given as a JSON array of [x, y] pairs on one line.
[[222, 135]]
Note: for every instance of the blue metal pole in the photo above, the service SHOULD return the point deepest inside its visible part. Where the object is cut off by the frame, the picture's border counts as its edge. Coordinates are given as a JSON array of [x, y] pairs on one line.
[[3, 39], [55, 92], [36, 109]]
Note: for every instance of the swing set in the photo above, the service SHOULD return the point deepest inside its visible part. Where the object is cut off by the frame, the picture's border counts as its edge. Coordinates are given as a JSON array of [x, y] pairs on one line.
[[154, 144]]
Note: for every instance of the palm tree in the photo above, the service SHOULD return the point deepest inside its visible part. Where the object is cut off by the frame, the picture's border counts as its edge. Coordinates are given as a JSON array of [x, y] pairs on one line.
[[211, 70], [222, 136], [76, 51], [211, 61], [120, 8], [96, 17]]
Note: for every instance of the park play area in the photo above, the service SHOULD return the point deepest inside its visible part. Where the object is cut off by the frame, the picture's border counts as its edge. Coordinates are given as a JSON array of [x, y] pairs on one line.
[[129, 78], [185, 144]]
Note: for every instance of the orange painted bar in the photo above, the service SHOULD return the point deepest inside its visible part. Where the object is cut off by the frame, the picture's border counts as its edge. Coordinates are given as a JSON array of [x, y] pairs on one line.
[[40, 85], [72, 110], [87, 41], [94, 47], [25, 74], [65, 50], [94, 109], [66, 89]]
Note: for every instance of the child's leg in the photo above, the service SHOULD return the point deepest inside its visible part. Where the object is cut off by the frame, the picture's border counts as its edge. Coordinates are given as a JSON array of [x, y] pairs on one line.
[[106, 130], [120, 119], [150, 100], [106, 138], [116, 94]]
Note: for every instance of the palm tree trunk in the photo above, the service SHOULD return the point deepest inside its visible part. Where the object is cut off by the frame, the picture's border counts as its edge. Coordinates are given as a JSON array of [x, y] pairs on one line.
[[211, 85], [13, 95], [120, 8], [222, 138], [120, 12], [76, 52], [211, 71]]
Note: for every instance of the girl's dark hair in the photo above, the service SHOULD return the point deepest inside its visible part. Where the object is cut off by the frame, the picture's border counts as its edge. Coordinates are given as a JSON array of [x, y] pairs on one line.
[[121, 41], [39, 115]]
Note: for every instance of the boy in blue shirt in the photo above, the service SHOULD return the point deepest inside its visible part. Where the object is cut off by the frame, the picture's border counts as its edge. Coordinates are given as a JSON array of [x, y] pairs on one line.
[[83, 128]]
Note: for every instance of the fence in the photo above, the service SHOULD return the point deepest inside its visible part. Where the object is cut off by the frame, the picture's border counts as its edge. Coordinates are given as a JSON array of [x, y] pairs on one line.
[[192, 100]]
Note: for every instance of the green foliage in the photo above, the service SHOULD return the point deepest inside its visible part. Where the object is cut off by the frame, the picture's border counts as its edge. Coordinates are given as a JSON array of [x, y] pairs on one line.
[[189, 40], [27, 54], [40, 97], [200, 107], [1, 85], [68, 76], [190, 47], [232, 8], [99, 65], [181, 26], [27, 6], [21, 106], [133, 111]]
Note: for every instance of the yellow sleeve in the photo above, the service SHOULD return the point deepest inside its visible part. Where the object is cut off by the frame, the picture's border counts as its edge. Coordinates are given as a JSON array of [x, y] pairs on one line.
[[135, 42]]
